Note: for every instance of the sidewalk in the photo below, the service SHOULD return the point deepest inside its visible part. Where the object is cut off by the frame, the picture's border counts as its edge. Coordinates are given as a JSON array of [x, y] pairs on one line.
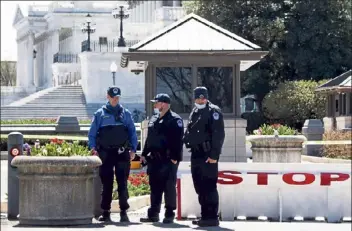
[[182, 225]]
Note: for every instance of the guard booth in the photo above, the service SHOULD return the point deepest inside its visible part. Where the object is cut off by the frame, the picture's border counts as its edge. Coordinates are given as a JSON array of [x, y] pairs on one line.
[[195, 52]]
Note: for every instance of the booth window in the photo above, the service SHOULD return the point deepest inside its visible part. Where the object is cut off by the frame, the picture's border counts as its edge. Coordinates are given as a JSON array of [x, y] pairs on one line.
[[219, 82], [177, 83]]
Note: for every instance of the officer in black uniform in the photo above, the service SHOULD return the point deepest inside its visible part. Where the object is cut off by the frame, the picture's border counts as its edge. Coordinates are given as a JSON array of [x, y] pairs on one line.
[[205, 136], [113, 137], [162, 152]]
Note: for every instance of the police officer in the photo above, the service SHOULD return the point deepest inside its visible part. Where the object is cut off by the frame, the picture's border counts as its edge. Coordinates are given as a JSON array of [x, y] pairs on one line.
[[162, 152], [205, 135], [113, 137]]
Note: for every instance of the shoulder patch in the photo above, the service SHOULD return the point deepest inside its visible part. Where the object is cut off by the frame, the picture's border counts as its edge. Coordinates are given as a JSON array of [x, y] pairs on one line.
[[180, 123], [216, 116]]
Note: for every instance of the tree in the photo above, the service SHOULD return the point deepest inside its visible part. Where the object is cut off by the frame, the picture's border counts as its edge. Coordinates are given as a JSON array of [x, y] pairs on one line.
[[259, 21], [8, 73], [306, 39], [293, 102], [318, 39]]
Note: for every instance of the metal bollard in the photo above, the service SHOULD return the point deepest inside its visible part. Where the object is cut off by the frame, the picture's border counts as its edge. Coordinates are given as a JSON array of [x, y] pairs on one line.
[[15, 148]]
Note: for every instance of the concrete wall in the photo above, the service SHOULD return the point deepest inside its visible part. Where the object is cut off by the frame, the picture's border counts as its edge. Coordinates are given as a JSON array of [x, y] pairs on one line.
[[234, 148], [96, 78]]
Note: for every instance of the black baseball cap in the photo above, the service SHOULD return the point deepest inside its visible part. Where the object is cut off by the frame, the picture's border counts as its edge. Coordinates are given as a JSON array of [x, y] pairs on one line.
[[200, 93], [114, 91], [164, 98]]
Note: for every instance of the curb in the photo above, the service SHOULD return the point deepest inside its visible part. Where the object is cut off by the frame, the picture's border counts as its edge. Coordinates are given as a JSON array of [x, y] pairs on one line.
[[324, 160], [134, 202]]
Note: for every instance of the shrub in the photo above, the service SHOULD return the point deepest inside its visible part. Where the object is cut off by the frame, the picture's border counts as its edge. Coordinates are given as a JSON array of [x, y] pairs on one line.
[[293, 102], [270, 130], [138, 185], [58, 147], [254, 120], [339, 151]]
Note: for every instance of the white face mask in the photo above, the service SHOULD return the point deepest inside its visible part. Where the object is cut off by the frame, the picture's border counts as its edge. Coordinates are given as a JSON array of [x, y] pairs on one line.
[[200, 106], [156, 111]]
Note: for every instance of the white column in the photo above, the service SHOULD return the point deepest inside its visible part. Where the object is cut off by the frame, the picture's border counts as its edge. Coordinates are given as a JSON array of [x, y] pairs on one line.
[[53, 48], [150, 11], [159, 4], [138, 12], [133, 15], [36, 67], [40, 60], [30, 60], [176, 3], [152, 15], [19, 64], [142, 12]]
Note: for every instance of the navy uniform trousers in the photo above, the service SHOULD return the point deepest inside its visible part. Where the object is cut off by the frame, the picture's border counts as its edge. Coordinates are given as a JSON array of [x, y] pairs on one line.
[[162, 179], [205, 177], [121, 162]]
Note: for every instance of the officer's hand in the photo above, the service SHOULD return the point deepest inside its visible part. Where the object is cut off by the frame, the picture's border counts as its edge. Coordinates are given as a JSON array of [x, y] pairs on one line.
[[211, 161], [132, 155], [143, 160], [94, 152], [174, 161]]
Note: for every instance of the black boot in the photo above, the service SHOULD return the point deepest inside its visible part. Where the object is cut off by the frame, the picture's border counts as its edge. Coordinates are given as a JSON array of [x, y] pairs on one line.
[[169, 217], [105, 216], [124, 217], [206, 223], [149, 219]]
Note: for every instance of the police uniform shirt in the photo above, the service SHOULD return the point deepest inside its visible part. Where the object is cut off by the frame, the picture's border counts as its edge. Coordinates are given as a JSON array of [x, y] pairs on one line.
[[207, 125], [103, 118], [165, 134]]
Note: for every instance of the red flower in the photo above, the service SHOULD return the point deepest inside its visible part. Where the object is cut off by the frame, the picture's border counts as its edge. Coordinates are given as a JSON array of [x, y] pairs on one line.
[[276, 126]]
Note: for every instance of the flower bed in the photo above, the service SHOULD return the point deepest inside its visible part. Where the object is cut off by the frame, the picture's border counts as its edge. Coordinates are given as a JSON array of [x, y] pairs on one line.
[[138, 185]]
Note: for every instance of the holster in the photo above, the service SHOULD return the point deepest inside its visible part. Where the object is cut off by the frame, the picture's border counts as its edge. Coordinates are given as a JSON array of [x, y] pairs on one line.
[[160, 155], [202, 147]]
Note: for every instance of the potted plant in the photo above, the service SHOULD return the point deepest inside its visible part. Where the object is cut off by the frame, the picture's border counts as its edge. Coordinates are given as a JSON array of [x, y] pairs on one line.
[[56, 183], [276, 144]]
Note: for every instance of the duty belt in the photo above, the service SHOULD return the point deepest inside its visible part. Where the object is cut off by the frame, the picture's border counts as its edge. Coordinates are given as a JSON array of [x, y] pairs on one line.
[[202, 147], [121, 149]]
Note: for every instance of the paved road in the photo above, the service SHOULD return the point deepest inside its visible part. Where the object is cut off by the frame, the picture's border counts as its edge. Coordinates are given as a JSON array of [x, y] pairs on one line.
[[184, 225], [3, 188]]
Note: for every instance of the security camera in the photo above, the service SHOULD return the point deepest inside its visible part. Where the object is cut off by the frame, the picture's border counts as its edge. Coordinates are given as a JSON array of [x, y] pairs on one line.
[[137, 67], [137, 72]]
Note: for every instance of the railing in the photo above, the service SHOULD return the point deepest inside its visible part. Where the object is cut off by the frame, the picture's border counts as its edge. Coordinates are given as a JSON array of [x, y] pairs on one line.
[[65, 58], [71, 78], [95, 46]]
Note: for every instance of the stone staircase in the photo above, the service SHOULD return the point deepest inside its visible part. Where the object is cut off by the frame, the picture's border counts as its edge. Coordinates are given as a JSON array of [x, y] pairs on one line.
[[63, 100]]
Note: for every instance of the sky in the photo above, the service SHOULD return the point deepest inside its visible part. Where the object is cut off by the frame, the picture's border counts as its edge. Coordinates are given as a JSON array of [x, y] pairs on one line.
[[8, 33]]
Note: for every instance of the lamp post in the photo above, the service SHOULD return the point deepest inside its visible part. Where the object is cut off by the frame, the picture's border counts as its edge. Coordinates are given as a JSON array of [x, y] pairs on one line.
[[121, 14], [88, 28], [113, 69]]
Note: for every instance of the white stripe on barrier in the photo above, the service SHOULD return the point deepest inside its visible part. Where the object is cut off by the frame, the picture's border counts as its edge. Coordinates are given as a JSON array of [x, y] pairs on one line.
[[304, 191]]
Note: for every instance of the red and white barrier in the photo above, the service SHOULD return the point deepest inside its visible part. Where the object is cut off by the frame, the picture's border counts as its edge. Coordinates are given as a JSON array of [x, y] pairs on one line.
[[275, 191]]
